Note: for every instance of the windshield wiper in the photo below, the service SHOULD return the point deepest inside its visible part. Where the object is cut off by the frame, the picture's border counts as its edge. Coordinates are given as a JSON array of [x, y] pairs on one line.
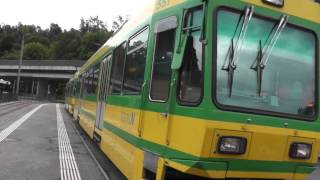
[[232, 57], [264, 53]]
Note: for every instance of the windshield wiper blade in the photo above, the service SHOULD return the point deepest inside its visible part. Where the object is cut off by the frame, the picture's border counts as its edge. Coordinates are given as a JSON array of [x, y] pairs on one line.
[[258, 68], [264, 53], [230, 68], [232, 55]]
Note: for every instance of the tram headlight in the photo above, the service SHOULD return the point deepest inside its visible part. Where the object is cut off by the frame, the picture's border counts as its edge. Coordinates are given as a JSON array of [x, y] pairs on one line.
[[300, 150], [232, 145], [278, 3]]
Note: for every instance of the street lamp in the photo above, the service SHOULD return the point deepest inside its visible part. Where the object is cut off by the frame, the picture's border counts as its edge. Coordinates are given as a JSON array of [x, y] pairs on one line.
[[20, 63]]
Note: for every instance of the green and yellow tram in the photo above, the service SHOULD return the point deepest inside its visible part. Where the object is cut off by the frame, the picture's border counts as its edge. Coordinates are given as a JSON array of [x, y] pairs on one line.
[[207, 88]]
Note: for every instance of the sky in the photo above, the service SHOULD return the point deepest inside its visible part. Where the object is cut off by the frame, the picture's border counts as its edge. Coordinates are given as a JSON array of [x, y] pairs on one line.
[[66, 13]]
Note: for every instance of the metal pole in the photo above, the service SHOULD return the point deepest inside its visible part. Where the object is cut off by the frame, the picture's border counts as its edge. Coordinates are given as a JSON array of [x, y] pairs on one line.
[[19, 68]]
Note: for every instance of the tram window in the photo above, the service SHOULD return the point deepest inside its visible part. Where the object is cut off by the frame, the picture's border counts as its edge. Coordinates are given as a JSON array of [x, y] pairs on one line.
[[92, 82], [161, 73], [71, 89], [82, 85], [78, 87], [95, 77], [135, 63], [191, 72], [89, 82], [74, 88], [117, 68], [85, 84]]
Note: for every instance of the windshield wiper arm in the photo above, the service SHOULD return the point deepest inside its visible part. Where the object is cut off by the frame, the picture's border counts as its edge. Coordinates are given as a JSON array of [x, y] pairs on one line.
[[235, 48], [263, 55]]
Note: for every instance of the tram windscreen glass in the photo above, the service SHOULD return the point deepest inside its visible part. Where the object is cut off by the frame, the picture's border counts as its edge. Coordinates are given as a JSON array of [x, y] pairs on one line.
[[285, 81]]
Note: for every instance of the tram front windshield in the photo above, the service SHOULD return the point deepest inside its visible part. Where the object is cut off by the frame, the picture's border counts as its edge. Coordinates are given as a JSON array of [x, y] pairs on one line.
[[264, 66]]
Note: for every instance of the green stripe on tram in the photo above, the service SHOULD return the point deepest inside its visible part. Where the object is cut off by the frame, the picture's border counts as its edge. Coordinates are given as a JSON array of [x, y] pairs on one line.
[[216, 115]]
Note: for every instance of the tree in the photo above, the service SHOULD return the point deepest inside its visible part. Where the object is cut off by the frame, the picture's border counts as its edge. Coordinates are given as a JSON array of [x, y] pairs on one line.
[[54, 30], [93, 24], [91, 42], [66, 45], [119, 22], [54, 42], [35, 51], [7, 42], [11, 55]]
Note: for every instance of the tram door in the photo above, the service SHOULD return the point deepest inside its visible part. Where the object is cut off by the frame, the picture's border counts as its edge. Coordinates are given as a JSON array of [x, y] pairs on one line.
[[103, 87], [160, 93]]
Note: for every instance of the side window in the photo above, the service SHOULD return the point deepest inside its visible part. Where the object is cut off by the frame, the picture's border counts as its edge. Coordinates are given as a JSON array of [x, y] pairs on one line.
[[92, 91], [117, 68], [191, 72], [161, 73], [86, 84], [78, 87], [90, 77], [95, 77], [135, 63], [82, 80], [74, 88]]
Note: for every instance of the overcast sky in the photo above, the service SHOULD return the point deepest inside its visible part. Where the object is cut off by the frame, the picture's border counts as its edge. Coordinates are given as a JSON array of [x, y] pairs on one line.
[[66, 13]]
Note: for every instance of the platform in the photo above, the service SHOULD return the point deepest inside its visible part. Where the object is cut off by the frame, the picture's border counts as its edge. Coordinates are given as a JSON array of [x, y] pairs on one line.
[[42, 142]]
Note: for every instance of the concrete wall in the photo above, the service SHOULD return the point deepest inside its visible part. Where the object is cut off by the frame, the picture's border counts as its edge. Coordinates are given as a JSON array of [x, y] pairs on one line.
[[42, 89]]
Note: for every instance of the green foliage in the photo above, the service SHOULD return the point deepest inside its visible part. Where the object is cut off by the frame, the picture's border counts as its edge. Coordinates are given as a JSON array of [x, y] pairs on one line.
[[55, 43], [7, 42], [55, 30], [11, 55], [36, 51], [93, 24], [91, 41], [118, 23], [66, 46]]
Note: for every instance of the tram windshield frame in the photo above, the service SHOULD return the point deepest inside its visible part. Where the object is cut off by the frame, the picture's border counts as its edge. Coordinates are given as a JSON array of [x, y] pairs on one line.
[[288, 81]]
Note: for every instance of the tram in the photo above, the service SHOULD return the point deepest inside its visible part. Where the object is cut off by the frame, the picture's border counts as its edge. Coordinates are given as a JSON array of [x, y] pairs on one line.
[[218, 89]]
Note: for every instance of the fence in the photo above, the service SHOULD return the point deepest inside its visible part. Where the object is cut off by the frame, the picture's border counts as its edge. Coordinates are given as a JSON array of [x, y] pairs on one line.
[[6, 97]]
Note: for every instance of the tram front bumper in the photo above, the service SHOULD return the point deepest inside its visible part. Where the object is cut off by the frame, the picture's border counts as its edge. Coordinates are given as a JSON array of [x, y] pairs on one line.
[[242, 169]]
